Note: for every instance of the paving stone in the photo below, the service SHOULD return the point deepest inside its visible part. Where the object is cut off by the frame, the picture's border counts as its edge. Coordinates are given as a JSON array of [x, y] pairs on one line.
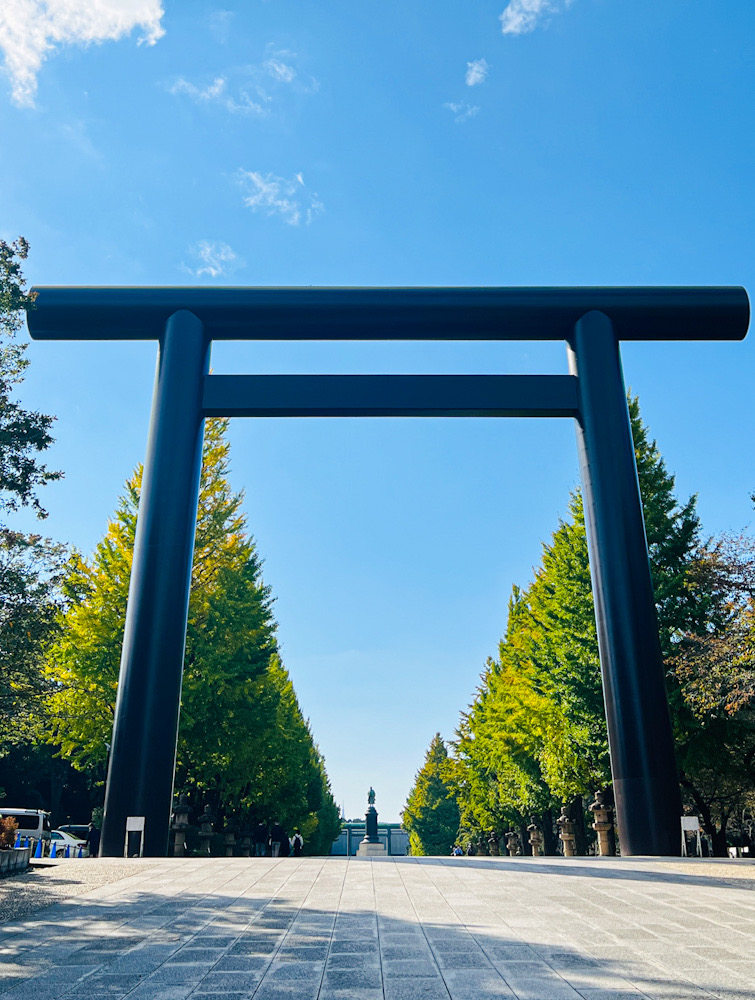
[[317, 954], [403, 968], [350, 994], [175, 973], [112, 982], [369, 978], [242, 963], [354, 945], [415, 989], [253, 947], [223, 996], [302, 991], [413, 951], [156, 991], [230, 981]]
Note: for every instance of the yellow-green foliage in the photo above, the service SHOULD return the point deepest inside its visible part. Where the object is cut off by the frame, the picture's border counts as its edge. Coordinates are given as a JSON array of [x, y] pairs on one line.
[[535, 734], [242, 734]]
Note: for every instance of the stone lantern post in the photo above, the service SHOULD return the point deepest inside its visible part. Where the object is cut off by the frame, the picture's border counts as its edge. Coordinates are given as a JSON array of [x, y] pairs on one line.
[[602, 824], [205, 829], [536, 838], [566, 833], [246, 839], [512, 843], [229, 837], [494, 845], [180, 825]]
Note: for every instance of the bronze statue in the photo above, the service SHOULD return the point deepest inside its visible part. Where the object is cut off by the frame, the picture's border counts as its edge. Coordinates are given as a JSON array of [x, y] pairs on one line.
[[371, 796]]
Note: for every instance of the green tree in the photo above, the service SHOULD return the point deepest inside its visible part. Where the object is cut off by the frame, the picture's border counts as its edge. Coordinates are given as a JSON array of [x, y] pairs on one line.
[[24, 434], [30, 565], [535, 734], [714, 676], [243, 741], [431, 814], [30, 574]]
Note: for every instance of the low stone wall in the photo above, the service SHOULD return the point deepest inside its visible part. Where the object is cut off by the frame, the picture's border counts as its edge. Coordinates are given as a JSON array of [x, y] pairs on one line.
[[16, 859]]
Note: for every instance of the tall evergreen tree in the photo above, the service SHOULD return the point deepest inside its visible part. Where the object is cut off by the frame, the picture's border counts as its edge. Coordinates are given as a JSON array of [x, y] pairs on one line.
[[536, 733], [242, 738], [431, 814]]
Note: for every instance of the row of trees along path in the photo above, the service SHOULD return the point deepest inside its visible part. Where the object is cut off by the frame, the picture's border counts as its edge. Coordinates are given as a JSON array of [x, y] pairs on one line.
[[244, 745], [535, 737]]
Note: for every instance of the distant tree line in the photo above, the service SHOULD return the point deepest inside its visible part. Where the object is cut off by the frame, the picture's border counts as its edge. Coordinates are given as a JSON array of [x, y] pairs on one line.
[[245, 748], [534, 737]]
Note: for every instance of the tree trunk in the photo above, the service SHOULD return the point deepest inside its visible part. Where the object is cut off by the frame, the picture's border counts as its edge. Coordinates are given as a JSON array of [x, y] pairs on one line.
[[719, 839], [56, 792], [550, 842], [609, 800], [525, 837], [576, 813]]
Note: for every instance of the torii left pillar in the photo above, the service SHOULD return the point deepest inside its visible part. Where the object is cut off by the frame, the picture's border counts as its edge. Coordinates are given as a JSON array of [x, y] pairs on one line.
[[142, 760]]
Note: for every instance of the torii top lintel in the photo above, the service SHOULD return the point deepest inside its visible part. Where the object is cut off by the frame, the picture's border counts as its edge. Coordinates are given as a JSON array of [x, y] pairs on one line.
[[435, 313]]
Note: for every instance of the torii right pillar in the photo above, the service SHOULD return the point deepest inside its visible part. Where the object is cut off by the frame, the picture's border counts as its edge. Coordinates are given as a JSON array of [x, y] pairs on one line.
[[640, 739]]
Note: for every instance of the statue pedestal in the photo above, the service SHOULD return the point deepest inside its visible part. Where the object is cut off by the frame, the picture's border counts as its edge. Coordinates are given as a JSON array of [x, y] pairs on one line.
[[371, 851], [371, 847]]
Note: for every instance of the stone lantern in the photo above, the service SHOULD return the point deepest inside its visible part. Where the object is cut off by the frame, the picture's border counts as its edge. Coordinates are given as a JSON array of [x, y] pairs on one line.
[[494, 845], [536, 838], [180, 825], [246, 839], [602, 824], [566, 833], [205, 829], [512, 843], [229, 837]]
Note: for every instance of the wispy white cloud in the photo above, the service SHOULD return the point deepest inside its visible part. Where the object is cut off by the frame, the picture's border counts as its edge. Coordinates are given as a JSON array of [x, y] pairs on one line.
[[31, 29], [476, 72], [278, 70], [288, 198], [521, 16], [252, 89], [217, 93], [462, 110], [220, 24], [212, 259]]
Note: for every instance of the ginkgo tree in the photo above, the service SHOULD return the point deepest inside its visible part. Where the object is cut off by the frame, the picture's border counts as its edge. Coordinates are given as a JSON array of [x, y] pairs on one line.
[[535, 734], [243, 741]]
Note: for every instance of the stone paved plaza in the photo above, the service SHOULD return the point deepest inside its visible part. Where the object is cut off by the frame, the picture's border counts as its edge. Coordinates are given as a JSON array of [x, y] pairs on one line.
[[388, 929]]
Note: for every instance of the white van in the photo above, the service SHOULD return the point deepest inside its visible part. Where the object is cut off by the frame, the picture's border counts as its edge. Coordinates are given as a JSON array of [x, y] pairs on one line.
[[33, 823]]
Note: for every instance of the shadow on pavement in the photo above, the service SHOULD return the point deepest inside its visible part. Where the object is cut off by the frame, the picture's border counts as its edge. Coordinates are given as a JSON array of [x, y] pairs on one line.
[[149, 945]]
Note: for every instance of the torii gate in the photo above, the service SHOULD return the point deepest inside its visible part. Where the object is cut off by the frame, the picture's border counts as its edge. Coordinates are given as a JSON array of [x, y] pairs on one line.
[[592, 321]]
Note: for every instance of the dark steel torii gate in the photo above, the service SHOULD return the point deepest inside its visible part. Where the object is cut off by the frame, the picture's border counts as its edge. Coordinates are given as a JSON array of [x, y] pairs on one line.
[[591, 320]]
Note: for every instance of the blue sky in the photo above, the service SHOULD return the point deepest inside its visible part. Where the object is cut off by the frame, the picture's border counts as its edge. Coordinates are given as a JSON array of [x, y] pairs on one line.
[[535, 143]]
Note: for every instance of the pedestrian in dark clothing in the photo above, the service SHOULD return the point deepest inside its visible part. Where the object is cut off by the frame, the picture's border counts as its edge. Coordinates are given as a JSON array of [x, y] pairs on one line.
[[279, 837], [261, 837], [297, 842], [93, 841]]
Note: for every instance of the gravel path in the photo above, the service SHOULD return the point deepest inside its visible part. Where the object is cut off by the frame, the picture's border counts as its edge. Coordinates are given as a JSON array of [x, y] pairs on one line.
[[52, 882]]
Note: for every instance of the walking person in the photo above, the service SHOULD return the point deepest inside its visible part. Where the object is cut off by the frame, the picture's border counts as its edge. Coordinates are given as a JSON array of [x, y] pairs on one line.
[[297, 842], [260, 837], [278, 837], [93, 841]]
